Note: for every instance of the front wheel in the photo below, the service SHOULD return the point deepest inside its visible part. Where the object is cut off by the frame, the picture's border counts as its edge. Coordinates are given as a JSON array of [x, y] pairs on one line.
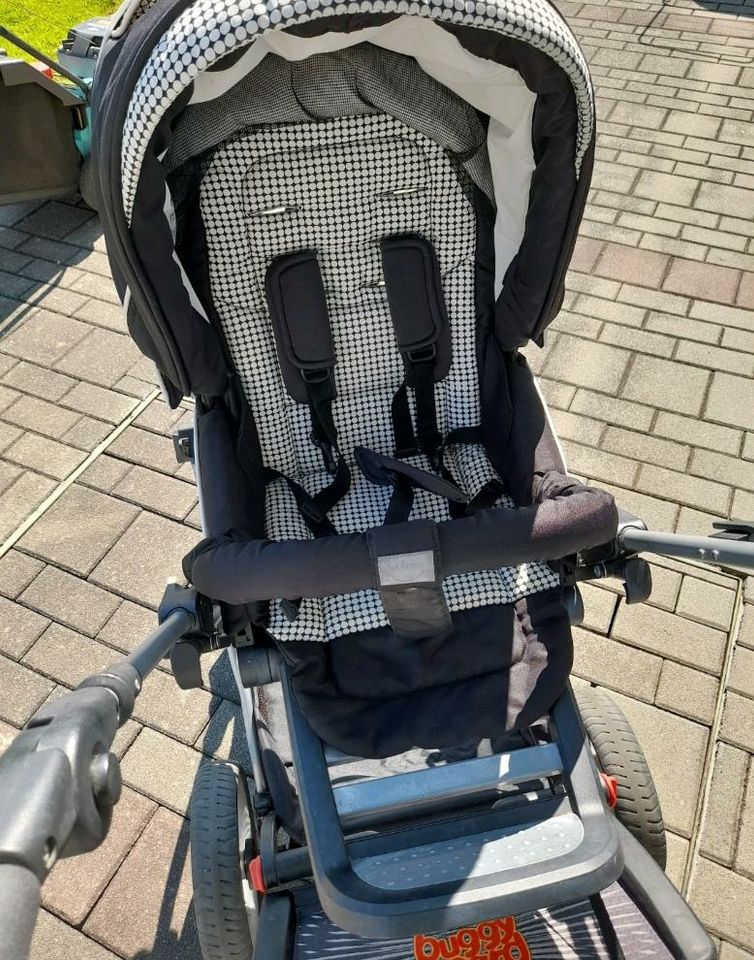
[[619, 755], [225, 904]]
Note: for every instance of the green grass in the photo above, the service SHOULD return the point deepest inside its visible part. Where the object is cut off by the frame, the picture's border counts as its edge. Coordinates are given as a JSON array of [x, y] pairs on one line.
[[44, 23]]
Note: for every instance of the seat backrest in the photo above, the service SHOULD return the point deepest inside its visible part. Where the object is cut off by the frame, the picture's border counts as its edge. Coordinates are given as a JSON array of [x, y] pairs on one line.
[[337, 187]]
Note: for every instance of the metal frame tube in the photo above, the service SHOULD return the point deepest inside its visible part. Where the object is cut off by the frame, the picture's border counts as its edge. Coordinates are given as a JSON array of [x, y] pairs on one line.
[[719, 551], [149, 653], [47, 61]]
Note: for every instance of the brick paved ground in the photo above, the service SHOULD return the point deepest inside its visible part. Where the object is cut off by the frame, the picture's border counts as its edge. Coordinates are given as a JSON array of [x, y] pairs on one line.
[[650, 374]]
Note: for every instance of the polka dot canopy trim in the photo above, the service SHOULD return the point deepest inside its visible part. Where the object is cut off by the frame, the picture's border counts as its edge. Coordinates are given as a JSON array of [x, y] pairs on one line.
[[210, 29]]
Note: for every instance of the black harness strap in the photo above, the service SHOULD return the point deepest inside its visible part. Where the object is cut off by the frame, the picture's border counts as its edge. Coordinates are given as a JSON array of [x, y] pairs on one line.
[[417, 308], [306, 352]]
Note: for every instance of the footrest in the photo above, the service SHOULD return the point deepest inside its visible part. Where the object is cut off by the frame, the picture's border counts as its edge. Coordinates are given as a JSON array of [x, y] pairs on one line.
[[464, 864]]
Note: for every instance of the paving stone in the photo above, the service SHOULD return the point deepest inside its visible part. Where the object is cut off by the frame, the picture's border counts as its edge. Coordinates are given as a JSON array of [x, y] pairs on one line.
[[104, 473], [128, 626], [125, 737], [55, 220], [637, 115], [686, 691], [732, 317], [722, 814], [675, 750], [147, 911], [585, 254], [731, 401], [30, 378], [697, 522], [16, 572], [644, 267], [19, 628], [670, 636], [181, 714], [79, 529], [727, 951], [692, 124], [146, 449], [161, 768], [745, 848], [738, 721], [556, 394], [706, 281], [715, 357], [44, 337], [615, 665], [224, 737], [613, 176], [642, 447], [70, 600], [599, 607], [656, 513], [8, 734], [44, 455], [155, 491], [741, 678], [103, 357], [9, 473], [68, 657], [587, 364], [600, 465], [159, 418], [699, 433], [107, 315], [98, 402], [76, 884], [654, 299], [728, 200], [677, 855], [40, 416], [706, 602], [144, 557], [745, 297], [23, 692], [724, 902], [612, 410], [55, 940], [572, 426], [218, 676], [731, 470], [746, 631], [87, 433], [665, 384], [21, 499], [669, 188], [693, 491]]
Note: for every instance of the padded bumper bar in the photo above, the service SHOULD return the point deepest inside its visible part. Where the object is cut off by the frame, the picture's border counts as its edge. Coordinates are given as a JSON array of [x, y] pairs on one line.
[[567, 518]]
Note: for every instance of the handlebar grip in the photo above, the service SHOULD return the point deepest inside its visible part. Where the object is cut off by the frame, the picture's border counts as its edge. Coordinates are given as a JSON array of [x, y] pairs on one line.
[[19, 905]]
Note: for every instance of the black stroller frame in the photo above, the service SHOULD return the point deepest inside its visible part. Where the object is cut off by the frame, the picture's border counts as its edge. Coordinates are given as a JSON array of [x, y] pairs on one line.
[[392, 544]]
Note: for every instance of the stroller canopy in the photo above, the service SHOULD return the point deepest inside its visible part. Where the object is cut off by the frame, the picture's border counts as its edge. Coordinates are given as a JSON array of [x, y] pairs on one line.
[[503, 86]]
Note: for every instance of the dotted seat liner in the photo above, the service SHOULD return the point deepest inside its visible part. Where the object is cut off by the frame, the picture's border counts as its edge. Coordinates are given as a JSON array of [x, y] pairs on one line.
[[338, 187]]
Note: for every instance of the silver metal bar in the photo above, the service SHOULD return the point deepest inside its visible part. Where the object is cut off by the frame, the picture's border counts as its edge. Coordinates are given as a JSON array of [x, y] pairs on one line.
[[463, 779], [336, 758], [714, 550], [158, 644], [249, 723]]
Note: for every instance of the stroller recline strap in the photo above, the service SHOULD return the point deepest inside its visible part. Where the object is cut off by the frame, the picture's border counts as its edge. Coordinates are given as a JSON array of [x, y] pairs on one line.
[[407, 571], [420, 322]]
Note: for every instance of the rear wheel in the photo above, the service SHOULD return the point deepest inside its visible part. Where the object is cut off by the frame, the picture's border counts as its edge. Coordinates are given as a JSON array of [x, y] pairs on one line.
[[225, 904], [619, 755]]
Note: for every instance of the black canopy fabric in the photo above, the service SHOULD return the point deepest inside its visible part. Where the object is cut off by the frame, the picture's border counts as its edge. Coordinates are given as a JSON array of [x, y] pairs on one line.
[[146, 77]]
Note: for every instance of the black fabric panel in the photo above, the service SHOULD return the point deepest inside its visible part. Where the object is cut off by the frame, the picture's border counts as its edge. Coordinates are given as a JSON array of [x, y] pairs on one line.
[[533, 285], [198, 342], [568, 517], [300, 319], [417, 303], [501, 668], [529, 446]]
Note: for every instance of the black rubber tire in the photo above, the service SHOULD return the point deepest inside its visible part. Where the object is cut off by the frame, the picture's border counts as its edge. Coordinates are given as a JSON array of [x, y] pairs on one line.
[[216, 869], [619, 755]]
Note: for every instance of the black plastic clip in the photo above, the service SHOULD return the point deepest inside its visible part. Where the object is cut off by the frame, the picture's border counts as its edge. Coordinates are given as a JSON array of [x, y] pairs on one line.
[[183, 444]]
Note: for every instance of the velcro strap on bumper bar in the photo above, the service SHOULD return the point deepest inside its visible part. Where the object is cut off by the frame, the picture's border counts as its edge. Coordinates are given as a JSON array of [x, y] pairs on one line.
[[572, 518]]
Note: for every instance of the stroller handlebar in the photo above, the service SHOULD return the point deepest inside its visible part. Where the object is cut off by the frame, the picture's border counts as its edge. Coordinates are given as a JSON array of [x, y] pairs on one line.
[[19, 903], [59, 782], [732, 547]]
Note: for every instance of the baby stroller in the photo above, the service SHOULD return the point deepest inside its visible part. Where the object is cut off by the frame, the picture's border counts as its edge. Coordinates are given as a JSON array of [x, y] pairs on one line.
[[335, 225]]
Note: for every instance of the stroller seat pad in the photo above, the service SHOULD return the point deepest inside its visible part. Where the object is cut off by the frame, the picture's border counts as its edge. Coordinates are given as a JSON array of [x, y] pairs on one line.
[[339, 187]]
